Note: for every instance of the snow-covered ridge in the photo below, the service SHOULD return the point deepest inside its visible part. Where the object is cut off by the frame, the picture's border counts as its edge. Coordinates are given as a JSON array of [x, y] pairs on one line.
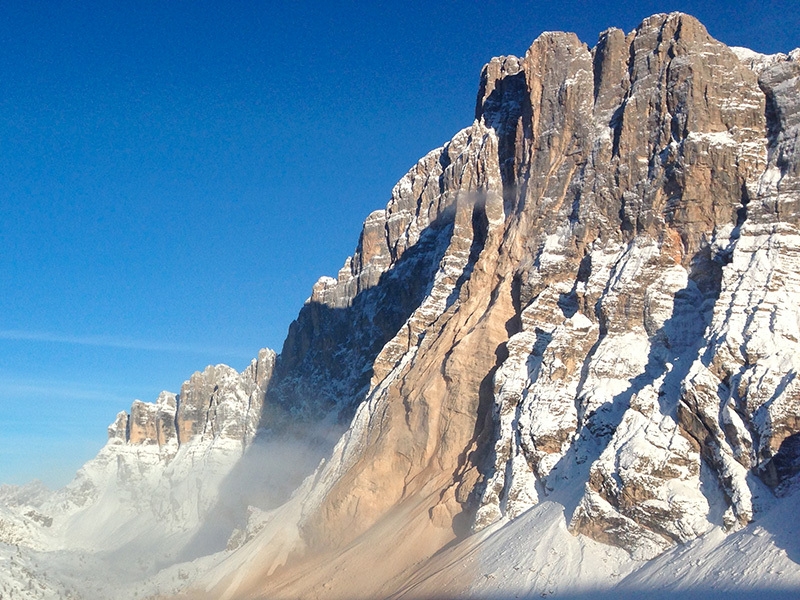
[[145, 498]]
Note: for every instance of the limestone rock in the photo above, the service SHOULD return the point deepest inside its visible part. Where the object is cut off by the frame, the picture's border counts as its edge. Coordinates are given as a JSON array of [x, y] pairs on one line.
[[609, 238], [217, 402], [580, 297]]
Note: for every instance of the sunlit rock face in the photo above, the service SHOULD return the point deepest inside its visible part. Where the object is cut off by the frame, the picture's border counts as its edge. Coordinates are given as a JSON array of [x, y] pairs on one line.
[[216, 403], [648, 153], [609, 321], [655, 338]]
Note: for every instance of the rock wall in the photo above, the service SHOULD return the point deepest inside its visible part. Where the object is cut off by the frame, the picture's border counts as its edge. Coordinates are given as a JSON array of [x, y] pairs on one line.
[[217, 402], [608, 322]]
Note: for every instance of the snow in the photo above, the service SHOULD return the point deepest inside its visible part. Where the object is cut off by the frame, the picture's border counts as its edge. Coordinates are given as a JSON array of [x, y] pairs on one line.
[[755, 60], [719, 138], [762, 556], [536, 556], [533, 555]]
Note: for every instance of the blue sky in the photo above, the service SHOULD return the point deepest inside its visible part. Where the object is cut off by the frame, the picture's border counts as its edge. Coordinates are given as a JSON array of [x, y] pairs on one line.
[[176, 175]]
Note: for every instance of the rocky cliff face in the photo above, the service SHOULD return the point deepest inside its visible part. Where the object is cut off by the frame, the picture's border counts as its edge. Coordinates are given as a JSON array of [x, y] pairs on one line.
[[607, 323], [647, 274], [215, 403]]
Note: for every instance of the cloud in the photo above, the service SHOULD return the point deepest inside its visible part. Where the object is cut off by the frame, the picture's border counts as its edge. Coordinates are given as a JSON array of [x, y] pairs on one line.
[[65, 390], [114, 342]]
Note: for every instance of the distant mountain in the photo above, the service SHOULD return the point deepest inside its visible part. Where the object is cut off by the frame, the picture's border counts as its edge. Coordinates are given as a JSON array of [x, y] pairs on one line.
[[562, 360]]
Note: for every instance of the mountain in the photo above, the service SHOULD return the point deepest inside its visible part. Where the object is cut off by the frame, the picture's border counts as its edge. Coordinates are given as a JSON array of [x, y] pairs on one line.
[[562, 360]]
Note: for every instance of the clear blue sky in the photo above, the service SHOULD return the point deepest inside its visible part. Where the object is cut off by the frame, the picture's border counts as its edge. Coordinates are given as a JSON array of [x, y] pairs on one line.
[[174, 176]]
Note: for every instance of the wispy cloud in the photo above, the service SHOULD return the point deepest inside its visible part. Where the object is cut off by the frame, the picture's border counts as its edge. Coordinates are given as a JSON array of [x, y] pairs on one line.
[[115, 342], [65, 390]]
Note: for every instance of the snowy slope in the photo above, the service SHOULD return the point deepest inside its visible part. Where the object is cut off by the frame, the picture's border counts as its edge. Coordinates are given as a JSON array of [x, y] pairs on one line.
[[535, 556]]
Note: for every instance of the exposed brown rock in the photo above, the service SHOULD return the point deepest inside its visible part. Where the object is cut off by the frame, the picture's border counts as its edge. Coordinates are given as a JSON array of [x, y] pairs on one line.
[[217, 402], [567, 318]]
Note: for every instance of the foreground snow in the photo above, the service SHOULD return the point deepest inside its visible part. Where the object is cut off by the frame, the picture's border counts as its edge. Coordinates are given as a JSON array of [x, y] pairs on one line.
[[532, 556], [535, 556]]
